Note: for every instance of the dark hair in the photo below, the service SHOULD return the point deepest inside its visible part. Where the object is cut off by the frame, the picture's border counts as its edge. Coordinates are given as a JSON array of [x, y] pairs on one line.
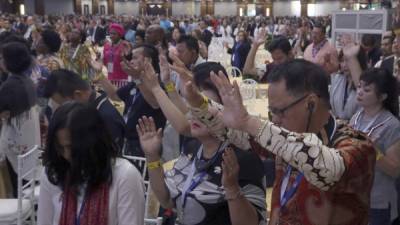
[[65, 83], [302, 77], [92, 148], [281, 43], [52, 40], [190, 42], [140, 33], [16, 56], [7, 37], [385, 83], [201, 75], [368, 40], [320, 26], [150, 51]]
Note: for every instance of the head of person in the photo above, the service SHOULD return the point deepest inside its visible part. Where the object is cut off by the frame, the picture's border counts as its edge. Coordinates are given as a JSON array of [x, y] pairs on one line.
[[242, 36], [76, 37], [140, 52], [187, 49], [177, 33], [154, 34], [65, 85], [318, 33], [196, 33], [378, 88], [117, 32], [79, 148], [30, 20], [15, 57], [386, 44], [139, 37], [368, 42], [362, 60], [396, 46], [203, 24], [280, 49], [298, 96], [202, 80], [49, 42]]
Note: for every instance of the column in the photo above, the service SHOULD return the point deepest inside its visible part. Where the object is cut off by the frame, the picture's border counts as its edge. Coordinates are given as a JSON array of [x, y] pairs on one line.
[[110, 7], [78, 7], [39, 7], [142, 8], [269, 7], [304, 10], [243, 6], [95, 7], [167, 5]]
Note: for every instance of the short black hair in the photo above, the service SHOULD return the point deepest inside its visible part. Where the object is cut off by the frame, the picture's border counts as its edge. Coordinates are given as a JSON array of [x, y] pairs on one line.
[[302, 77], [16, 56], [92, 149], [385, 83], [140, 33], [281, 43], [150, 51], [320, 26], [368, 40], [190, 42], [65, 83], [201, 75], [52, 40]]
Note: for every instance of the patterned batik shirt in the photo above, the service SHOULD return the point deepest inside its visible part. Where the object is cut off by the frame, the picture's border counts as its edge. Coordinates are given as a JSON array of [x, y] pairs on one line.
[[337, 167], [206, 203]]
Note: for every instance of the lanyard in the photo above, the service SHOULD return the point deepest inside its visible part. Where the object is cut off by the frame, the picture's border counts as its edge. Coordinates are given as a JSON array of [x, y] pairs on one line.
[[135, 94], [287, 193], [76, 51], [78, 217], [370, 127]]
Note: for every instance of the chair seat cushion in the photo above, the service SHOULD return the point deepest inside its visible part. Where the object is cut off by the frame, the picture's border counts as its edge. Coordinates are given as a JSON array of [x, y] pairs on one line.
[[9, 209]]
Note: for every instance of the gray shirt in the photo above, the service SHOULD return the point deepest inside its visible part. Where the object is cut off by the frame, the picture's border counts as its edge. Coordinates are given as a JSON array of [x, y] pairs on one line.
[[343, 97]]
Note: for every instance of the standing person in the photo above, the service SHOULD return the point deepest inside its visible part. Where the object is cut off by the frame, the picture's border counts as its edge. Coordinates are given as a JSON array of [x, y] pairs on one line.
[[19, 116], [320, 51], [369, 46], [386, 48], [324, 168], [114, 51], [239, 51], [85, 182], [206, 35], [48, 45], [378, 118]]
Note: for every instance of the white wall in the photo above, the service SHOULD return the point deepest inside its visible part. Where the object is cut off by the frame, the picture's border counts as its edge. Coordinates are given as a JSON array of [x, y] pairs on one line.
[[197, 8], [225, 8], [287, 8], [129, 8], [59, 7], [323, 8], [183, 8]]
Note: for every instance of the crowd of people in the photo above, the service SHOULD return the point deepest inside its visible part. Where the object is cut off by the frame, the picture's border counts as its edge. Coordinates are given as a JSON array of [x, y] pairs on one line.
[[92, 89]]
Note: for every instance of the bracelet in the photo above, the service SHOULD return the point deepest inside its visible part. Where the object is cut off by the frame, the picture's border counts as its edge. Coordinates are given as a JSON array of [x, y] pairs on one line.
[[379, 155], [154, 165], [170, 87], [236, 196], [204, 104]]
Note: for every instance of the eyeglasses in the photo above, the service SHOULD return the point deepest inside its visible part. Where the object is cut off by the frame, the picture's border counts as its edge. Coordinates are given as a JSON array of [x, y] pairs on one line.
[[281, 112]]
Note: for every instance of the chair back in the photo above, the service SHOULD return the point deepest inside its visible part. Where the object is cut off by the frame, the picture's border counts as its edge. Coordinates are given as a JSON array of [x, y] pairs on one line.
[[27, 172], [248, 89], [234, 71]]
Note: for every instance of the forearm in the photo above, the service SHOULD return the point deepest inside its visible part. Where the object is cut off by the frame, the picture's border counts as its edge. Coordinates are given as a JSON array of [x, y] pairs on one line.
[[249, 67], [241, 211], [355, 69], [148, 96], [158, 185], [322, 166], [178, 101], [171, 112], [388, 166]]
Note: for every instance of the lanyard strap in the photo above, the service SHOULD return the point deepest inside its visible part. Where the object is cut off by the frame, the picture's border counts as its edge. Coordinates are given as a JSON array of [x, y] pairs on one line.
[[287, 193], [78, 217]]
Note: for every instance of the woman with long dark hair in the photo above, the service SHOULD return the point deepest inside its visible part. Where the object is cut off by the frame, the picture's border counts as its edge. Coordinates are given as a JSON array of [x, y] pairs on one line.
[[85, 182], [378, 118]]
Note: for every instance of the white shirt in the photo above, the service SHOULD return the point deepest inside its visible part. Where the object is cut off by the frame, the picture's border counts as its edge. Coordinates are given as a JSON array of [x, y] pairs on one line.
[[126, 198]]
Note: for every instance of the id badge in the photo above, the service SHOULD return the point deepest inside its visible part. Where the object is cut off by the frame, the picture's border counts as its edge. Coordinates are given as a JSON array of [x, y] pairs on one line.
[[110, 67]]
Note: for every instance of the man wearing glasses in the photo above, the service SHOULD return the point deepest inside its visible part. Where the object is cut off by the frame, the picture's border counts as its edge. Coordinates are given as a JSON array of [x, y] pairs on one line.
[[324, 169]]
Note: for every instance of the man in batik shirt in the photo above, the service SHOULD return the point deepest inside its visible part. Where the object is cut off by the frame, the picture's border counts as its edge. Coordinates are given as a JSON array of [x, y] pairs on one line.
[[324, 168]]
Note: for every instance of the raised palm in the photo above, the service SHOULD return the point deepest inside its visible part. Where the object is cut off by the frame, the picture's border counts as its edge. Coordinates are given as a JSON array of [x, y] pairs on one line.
[[150, 138], [261, 37], [234, 114]]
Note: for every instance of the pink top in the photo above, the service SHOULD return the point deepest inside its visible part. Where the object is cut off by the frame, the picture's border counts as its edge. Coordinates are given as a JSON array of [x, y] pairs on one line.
[[319, 57], [112, 60]]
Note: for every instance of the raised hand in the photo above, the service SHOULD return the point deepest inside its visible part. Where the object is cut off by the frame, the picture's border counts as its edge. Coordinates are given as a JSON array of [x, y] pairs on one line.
[[192, 94], [149, 76], [261, 37], [131, 69], [184, 74], [230, 171], [165, 71], [351, 50], [150, 138], [234, 114]]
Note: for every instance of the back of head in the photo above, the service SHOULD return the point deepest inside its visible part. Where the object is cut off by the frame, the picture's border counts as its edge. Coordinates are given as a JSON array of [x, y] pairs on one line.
[[65, 83], [52, 40], [16, 56], [281, 43], [201, 75], [190, 42], [302, 77], [91, 149], [368, 40], [385, 84]]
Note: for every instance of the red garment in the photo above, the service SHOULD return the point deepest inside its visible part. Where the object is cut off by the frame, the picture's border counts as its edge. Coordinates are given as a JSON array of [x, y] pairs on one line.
[[113, 54], [95, 209], [347, 203]]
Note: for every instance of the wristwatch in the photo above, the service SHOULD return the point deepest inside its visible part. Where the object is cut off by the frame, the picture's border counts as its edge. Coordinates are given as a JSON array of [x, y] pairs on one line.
[[137, 81]]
